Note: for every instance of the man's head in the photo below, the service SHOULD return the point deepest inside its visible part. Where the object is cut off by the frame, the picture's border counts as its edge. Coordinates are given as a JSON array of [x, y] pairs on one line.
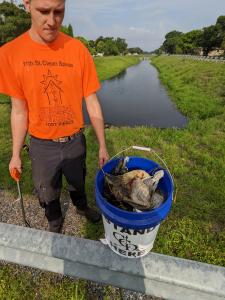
[[46, 18]]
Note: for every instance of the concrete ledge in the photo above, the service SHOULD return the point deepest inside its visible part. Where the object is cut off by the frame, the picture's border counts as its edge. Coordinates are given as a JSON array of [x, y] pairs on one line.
[[155, 274]]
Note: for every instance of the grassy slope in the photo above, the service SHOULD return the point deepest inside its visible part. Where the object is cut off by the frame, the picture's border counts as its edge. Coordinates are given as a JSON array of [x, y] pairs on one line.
[[111, 66], [196, 225]]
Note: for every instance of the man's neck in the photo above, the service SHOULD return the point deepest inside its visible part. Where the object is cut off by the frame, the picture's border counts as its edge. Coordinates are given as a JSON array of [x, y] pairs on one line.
[[36, 38]]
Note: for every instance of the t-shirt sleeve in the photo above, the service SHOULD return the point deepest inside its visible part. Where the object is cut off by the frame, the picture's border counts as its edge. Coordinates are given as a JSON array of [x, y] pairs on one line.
[[90, 78], [9, 83]]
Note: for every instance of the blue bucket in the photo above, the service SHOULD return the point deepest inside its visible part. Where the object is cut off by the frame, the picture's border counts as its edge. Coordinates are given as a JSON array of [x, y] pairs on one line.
[[132, 234]]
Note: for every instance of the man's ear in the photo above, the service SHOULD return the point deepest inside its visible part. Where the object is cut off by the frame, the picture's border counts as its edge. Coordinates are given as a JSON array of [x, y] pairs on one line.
[[26, 3]]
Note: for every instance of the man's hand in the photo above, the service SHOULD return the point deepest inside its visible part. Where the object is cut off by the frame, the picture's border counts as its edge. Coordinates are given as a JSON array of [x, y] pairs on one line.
[[15, 163], [103, 156]]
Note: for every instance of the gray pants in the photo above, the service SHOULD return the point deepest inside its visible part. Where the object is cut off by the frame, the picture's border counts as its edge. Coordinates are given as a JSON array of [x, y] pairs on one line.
[[50, 160]]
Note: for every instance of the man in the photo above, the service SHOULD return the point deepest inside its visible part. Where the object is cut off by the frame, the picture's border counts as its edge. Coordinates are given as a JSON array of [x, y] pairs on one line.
[[47, 74]]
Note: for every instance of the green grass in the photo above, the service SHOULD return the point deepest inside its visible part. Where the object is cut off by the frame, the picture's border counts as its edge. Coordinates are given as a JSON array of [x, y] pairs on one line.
[[111, 66], [4, 99], [195, 228], [44, 286], [27, 285]]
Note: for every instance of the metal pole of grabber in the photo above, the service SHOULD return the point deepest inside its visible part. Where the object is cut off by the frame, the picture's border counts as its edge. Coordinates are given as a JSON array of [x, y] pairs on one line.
[[21, 205], [15, 174]]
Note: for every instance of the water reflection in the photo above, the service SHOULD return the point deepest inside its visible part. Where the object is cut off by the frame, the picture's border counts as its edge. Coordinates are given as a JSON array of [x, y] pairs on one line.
[[136, 97]]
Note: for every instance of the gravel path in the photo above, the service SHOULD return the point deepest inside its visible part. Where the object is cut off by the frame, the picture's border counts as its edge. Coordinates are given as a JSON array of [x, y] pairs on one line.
[[11, 214]]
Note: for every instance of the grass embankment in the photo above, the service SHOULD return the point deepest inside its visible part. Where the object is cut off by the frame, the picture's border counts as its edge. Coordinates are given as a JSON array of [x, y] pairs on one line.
[[111, 66], [195, 227]]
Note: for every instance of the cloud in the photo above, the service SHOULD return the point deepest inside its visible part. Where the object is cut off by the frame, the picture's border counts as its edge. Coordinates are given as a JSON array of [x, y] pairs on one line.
[[142, 23], [142, 37]]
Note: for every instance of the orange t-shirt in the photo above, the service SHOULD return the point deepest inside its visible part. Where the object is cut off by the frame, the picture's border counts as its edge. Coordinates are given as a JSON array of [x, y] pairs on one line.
[[52, 79]]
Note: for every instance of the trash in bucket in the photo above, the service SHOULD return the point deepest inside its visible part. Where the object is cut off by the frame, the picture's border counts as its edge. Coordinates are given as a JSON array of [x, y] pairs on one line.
[[132, 190], [131, 234]]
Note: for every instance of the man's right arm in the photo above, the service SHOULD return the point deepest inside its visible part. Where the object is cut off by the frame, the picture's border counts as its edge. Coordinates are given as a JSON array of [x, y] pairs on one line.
[[19, 125]]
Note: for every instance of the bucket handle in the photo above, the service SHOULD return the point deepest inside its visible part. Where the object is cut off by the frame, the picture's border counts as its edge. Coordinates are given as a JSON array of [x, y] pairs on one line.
[[148, 149]]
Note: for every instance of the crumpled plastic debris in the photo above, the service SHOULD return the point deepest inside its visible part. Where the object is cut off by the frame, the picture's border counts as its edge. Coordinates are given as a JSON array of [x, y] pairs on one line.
[[134, 190]]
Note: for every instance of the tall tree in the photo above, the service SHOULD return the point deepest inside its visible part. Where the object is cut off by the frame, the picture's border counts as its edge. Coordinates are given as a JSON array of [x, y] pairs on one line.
[[172, 41], [92, 43], [190, 41], [221, 22], [101, 47], [14, 20], [67, 29], [70, 30], [64, 29], [220, 25], [101, 38], [121, 45], [110, 47], [210, 39], [135, 50]]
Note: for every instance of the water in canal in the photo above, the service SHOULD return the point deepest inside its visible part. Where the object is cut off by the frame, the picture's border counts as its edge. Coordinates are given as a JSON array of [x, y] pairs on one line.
[[136, 97]]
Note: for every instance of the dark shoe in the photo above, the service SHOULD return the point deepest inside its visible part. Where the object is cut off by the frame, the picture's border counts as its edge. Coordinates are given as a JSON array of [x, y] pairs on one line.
[[91, 214], [56, 225]]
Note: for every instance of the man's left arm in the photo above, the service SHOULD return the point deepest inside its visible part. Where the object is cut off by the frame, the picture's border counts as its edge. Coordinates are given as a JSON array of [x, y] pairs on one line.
[[97, 121]]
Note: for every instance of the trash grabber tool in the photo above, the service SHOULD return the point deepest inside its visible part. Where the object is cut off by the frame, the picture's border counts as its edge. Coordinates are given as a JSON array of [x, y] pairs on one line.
[[15, 174]]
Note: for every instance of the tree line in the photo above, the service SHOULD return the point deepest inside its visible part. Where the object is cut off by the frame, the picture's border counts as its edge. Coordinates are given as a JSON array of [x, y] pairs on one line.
[[205, 39], [14, 20], [109, 46]]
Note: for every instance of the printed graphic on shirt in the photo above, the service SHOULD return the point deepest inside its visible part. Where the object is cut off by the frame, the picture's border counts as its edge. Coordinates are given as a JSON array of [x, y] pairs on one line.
[[55, 114], [52, 89], [46, 63]]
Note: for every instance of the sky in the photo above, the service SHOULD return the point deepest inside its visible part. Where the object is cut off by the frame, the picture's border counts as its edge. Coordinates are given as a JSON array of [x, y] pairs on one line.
[[143, 23]]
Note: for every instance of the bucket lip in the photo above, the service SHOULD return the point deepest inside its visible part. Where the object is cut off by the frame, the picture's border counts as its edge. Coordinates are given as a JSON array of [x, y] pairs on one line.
[[130, 156]]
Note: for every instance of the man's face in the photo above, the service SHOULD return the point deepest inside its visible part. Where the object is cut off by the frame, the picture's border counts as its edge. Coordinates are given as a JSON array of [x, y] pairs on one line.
[[46, 17]]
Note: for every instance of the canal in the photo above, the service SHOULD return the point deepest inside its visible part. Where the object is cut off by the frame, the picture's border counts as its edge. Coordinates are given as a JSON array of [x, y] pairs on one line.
[[137, 98]]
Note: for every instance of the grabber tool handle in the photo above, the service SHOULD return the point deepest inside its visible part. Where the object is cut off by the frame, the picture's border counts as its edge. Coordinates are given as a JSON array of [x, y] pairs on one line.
[[15, 174]]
